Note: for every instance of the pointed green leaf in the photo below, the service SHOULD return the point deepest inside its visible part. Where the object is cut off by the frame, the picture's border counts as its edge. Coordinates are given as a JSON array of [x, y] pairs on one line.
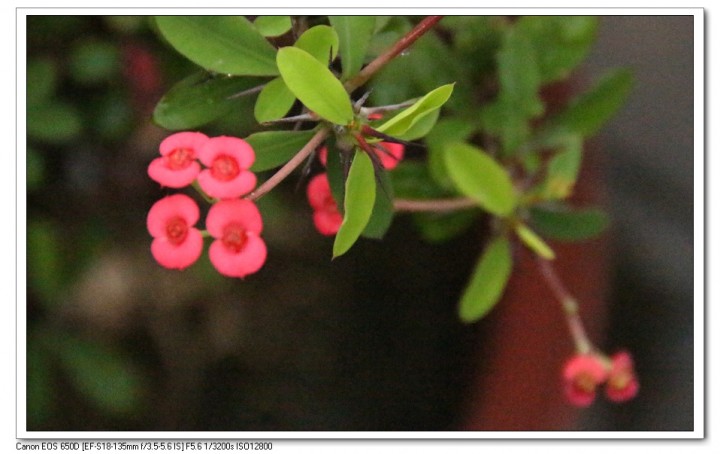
[[383, 210], [534, 242], [421, 127], [593, 109], [274, 101], [478, 176], [518, 100], [223, 44], [359, 202], [446, 131], [314, 85], [273, 25], [563, 169], [560, 42], [200, 99], [355, 33], [320, 41], [563, 224], [402, 122], [275, 148], [487, 282]]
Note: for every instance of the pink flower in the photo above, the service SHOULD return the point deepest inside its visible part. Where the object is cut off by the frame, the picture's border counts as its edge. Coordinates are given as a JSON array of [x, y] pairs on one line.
[[177, 167], [236, 225], [390, 154], [177, 244], [622, 384], [581, 375], [326, 216], [228, 160]]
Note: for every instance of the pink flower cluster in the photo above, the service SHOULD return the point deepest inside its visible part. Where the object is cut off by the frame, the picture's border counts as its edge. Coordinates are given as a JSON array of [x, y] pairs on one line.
[[584, 373], [326, 215], [234, 223]]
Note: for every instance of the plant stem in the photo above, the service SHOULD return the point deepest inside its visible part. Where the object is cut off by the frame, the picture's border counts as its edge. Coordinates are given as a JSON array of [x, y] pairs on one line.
[[289, 166], [403, 43], [569, 306], [433, 205]]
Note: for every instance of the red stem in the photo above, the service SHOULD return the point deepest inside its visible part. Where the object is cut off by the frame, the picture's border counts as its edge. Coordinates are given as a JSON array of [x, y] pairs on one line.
[[402, 44]]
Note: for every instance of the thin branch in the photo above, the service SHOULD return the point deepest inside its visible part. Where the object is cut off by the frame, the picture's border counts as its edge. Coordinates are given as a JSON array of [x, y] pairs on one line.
[[249, 91], [569, 305], [433, 205], [289, 166], [403, 43], [366, 111]]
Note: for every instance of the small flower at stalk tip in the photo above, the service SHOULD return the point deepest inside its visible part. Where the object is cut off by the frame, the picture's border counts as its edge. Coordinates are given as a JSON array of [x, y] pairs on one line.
[[238, 249], [177, 167], [622, 383], [176, 244], [581, 375], [326, 216], [227, 160]]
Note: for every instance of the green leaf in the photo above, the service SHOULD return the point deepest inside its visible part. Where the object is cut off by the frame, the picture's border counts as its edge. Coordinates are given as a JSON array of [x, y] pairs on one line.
[[321, 42], [274, 101], [478, 176], [563, 169], [42, 80], [200, 99], [223, 44], [518, 100], [402, 122], [488, 281], [273, 25], [359, 202], [383, 210], [314, 85], [561, 223], [355, 33], [447, 130], [101, 374], [53, 122], [336, 176], [593, 109], [534, 242], [421, 127], [560, 42], [274, 148]]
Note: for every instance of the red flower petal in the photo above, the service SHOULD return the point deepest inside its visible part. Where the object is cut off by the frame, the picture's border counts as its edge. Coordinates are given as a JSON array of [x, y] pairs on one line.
[[177, 205], [178, 256], [582, 374], [390, 154], [239, 186], [239, 264], [622, 382], [327, 222], [190, 140], [318, 192], [229, 146], [235, 211], [159, 171]]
